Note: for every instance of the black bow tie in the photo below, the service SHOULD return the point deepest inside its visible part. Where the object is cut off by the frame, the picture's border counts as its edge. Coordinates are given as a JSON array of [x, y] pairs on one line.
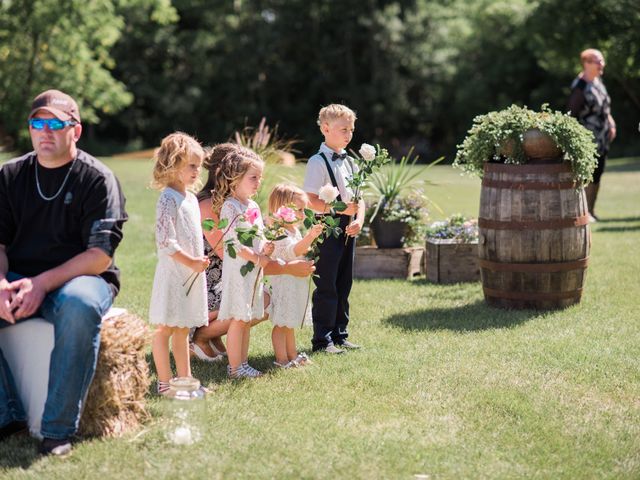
[[338, 156]]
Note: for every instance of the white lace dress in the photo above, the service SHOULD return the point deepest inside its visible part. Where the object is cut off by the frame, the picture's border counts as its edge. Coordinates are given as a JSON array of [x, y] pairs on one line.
[[289, 294], [237, 290], [178, 228]]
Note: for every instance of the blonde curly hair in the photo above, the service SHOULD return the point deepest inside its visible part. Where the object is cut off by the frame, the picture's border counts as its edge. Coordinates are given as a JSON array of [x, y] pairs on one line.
[[284, 195], [175, 149], [230, 171]]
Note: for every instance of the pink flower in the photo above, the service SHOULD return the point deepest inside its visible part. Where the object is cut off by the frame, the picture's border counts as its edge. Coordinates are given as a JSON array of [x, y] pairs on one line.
[[252, 215], [286, 214]]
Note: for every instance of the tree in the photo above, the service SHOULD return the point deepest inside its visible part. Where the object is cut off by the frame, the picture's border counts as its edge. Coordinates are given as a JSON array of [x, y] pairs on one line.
[[63, 44]]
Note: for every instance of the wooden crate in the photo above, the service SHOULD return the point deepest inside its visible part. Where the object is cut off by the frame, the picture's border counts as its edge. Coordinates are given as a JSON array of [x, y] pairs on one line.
[[374, 262], [448, 261]]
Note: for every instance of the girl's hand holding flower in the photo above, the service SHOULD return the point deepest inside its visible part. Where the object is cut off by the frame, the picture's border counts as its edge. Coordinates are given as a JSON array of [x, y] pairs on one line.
[[316, 230], [200, 264], [268, 249]]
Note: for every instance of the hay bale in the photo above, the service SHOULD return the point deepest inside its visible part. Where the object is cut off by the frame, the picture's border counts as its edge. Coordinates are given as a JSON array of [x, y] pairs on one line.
[[115, 403]]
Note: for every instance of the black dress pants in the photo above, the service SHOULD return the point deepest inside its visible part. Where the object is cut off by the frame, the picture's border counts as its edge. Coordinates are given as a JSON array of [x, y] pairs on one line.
[[334, 271]]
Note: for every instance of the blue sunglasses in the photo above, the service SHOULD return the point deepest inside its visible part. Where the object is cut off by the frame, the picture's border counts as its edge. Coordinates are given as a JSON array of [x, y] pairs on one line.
[[52, 123]]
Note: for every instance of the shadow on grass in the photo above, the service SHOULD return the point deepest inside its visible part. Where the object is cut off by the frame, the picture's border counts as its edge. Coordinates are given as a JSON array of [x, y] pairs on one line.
[[624, 165], [618, 219], [472, 317], [631, 228], [19, 451], [213, 373], [625, 224]]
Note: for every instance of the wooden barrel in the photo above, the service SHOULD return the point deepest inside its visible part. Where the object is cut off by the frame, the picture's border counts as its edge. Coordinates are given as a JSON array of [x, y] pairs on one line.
[[534, 236]]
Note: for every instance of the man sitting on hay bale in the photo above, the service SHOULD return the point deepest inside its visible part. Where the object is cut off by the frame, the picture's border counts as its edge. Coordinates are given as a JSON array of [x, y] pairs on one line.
[[61, 217]]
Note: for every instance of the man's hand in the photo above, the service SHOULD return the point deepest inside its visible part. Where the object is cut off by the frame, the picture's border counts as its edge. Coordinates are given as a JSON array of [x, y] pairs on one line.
[[353, 229], [29, 297], [7, 295], [300, 268]]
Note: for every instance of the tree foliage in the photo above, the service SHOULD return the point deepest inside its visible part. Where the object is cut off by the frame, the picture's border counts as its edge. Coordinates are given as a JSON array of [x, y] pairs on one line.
[[416, 71], [63, 44]]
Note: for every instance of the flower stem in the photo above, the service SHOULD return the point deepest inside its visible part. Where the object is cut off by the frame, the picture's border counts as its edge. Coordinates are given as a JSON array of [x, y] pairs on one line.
[[255, 285]]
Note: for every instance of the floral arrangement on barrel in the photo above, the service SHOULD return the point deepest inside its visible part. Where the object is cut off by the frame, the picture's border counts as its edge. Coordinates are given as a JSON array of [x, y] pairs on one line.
[[456, 228], [518, 135]]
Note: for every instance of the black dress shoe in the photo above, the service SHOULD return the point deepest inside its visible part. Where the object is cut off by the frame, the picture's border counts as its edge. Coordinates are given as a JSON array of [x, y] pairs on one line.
[[55, 446], [11, 429]]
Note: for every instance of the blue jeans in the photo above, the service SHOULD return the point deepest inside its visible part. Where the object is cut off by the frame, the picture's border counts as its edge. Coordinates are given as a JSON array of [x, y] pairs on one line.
[[76, 311]]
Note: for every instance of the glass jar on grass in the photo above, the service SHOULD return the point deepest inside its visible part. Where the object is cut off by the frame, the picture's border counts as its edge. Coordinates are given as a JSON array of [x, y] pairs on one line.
[[186, 409]]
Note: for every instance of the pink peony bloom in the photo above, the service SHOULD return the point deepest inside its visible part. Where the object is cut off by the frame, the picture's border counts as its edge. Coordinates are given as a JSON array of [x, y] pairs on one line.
[[286, 214], [252, 215]]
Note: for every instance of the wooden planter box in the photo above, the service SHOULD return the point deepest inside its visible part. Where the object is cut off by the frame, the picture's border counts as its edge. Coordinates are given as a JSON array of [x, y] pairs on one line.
[[448, 261], [374, 262]]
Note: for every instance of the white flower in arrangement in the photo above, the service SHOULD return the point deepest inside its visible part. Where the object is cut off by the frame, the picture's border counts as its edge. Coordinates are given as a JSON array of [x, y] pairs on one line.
[[368, 152], [328, 193]]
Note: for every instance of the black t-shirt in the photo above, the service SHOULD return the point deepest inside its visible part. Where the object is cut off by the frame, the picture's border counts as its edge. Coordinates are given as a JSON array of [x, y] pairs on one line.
[[87, 212]]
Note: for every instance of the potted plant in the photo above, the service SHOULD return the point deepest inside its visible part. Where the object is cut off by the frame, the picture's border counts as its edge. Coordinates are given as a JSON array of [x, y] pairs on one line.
[[400, 222], [394, 256], [452, 250], [518, 135], [399, 208], [534, 235]]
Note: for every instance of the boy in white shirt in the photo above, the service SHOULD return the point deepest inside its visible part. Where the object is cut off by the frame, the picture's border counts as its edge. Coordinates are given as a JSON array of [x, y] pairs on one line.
[[334, 269]]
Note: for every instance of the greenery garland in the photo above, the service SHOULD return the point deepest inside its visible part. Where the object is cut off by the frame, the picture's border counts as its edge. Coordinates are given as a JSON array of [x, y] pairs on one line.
[[498, 136]]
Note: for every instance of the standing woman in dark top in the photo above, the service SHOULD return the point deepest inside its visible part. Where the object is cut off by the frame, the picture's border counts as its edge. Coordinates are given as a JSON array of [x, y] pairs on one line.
[[591, 105]]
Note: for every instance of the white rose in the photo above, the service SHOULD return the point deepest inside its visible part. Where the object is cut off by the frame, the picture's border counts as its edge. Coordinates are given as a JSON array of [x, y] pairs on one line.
[[368, 152], [328, 193]]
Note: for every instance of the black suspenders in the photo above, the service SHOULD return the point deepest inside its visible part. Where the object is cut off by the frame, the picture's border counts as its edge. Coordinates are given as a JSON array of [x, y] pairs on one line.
[[333, 177]]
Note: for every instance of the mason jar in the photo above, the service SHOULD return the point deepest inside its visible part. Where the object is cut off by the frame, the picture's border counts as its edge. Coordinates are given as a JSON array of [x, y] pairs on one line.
[[186, 410]]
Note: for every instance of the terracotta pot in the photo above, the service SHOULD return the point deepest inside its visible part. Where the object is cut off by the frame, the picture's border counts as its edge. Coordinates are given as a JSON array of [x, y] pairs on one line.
[[507, 148], [539, 147]]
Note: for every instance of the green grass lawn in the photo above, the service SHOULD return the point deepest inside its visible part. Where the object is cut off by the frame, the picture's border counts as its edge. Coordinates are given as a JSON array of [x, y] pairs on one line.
[[445, 386]]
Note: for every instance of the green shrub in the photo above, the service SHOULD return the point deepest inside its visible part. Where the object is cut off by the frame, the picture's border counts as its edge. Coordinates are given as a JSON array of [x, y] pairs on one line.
[[498, 136]]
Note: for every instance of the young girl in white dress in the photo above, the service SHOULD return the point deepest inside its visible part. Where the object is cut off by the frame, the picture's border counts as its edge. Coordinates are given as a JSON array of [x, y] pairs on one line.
[[181, 262], [289, 294], [242, 296]]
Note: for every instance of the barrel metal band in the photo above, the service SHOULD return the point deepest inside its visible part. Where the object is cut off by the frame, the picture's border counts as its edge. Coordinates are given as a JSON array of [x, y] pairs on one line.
[[532, 295], [530, 168], [534, 224], [487, 182], [534, 267]]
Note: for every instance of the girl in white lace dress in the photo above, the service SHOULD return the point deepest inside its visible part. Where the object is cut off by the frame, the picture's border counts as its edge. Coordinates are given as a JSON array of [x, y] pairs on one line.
[[289, 294], [242, 295], [181, 262]]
